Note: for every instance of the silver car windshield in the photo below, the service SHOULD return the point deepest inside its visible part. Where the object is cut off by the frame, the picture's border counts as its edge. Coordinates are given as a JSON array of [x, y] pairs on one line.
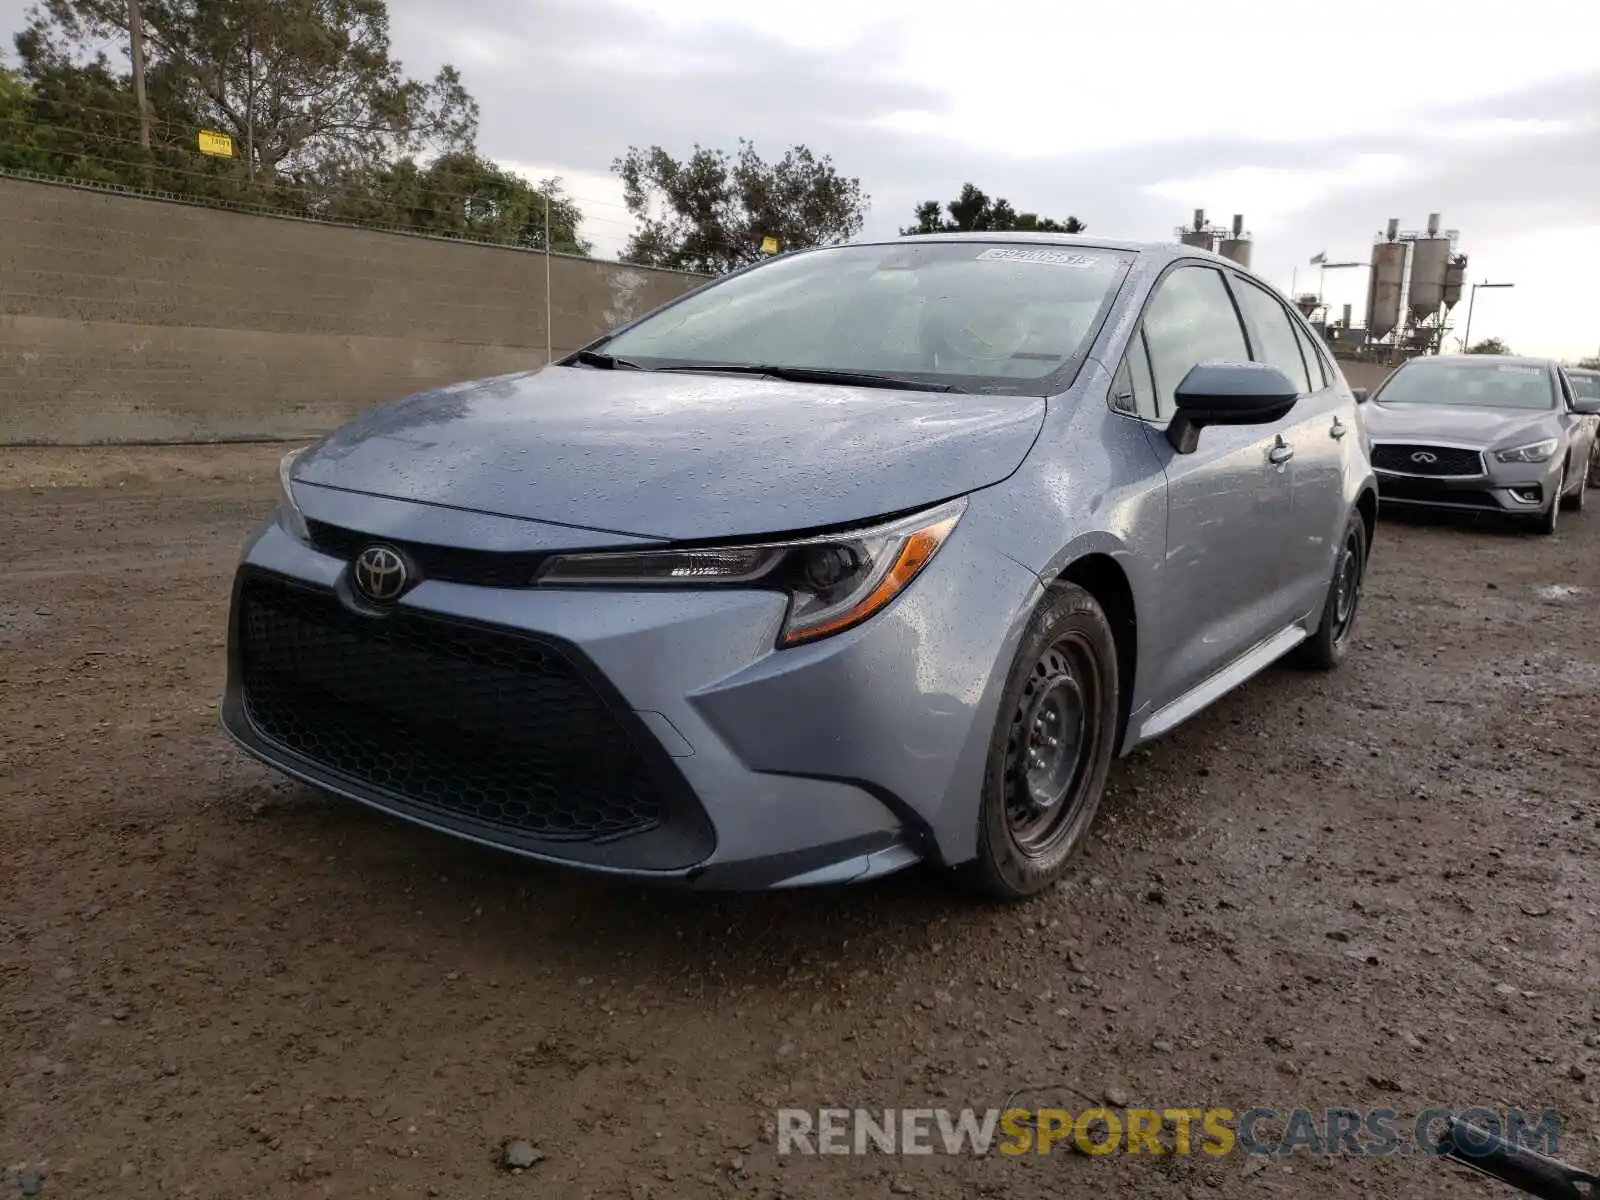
[[989, 317], [1585, 384], [1486, 384]]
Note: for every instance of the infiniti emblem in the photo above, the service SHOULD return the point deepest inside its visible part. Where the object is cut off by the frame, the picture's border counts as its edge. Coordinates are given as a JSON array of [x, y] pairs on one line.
[[380, 574], [1423, 456]]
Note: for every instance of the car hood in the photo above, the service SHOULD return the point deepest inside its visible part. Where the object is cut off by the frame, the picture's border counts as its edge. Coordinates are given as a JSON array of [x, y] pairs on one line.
[[676, 456], [1474, 426]]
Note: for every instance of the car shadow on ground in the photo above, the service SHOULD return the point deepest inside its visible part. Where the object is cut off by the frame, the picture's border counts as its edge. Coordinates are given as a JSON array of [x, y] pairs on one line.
[[410, 880]]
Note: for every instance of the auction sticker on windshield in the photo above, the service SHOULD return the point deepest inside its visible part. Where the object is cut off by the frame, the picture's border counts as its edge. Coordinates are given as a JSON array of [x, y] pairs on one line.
[[1059, 258]]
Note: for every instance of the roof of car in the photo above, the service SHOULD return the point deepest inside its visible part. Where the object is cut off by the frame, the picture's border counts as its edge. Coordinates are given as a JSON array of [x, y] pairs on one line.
[[1516, 360], [1156, 249]]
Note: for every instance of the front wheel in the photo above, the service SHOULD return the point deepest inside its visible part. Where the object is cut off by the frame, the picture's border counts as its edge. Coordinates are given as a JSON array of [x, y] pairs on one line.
[[1577, 501], [1052, 745], [1327, 647], [1546, 521]]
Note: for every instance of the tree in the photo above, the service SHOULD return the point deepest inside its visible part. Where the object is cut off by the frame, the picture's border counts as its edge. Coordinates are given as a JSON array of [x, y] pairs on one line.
[[1492, 345], [974, 212], [324, 122], [711, 211], [463, 195], [301, 85]]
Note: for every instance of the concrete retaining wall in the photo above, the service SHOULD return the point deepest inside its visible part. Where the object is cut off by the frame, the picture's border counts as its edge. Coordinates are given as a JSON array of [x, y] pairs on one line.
[[124, 319]]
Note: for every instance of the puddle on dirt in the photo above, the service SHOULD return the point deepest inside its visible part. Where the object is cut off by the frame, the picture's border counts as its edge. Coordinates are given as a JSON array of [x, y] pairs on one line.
[[1560, 591], [17, 623]]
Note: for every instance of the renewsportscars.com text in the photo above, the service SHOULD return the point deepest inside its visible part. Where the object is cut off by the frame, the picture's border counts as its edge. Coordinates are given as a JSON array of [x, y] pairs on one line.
[[1348, 1132]]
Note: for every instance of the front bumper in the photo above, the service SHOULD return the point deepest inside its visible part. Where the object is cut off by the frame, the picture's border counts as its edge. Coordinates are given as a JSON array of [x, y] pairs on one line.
[[1524, 489], [717, 760]]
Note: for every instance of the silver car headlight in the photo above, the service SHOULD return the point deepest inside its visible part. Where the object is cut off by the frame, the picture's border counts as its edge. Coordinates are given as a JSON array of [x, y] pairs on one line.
[[290, 518], [834, 582], [1533, 452]]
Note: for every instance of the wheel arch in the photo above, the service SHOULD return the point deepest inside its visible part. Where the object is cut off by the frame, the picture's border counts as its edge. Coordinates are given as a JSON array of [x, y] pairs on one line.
[[1099, 574], [1367, 506]]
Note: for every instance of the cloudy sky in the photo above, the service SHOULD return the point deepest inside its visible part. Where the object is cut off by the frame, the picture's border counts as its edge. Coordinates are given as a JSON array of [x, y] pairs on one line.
[[1316, 122]]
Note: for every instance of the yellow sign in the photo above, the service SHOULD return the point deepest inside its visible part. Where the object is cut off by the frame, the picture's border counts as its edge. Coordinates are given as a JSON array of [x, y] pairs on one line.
[[219, 144], [769, 245]]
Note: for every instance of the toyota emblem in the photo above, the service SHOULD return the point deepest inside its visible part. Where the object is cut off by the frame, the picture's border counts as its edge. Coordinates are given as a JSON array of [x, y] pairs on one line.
[[380, 574], [1424, 456]]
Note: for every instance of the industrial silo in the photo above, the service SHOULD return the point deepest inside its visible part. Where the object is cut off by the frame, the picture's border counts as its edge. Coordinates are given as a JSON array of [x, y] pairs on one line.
[[1384, 288], [1237, 245], [1199, 235], [1430, 263], [1455, 276]]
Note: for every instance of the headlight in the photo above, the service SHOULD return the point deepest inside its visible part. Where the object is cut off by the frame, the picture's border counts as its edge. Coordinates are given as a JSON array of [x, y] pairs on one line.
[[834, 582], [290, 517], [1533, 452]]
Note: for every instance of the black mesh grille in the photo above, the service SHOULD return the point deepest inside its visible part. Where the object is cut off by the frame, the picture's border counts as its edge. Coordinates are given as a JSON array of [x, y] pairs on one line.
[[491, 727], [488, 568], [1414, 459]]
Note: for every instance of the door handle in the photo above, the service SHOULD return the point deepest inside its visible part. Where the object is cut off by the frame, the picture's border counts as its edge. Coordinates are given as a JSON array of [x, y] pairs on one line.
[[1338, 430], [1280, 453]]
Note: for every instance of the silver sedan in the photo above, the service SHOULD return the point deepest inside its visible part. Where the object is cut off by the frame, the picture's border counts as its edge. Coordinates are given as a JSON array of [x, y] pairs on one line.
[[1483, 432], [865, 556]]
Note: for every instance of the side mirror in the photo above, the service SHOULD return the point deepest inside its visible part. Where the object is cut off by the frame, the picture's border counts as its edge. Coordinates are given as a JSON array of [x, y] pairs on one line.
[[1587, 405], [1361, 395], [1228, 393]]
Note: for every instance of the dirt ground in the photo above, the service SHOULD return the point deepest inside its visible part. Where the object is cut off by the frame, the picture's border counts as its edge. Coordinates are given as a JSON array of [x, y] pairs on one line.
[[1373, 888]]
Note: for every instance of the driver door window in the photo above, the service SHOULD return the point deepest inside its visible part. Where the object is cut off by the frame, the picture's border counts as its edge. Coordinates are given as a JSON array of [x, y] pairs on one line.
[[1189, 320]]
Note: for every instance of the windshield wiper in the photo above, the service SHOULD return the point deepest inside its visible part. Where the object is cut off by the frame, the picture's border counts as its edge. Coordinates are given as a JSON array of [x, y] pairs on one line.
[[609, 362], [814, 375]]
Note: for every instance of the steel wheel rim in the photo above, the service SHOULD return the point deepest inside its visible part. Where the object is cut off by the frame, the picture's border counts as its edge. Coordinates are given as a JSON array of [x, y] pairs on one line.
[[1050, 746], [1346, 586]]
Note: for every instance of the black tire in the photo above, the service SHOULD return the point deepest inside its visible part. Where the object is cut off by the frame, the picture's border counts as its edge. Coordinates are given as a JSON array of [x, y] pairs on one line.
[[1545, 523], [1064, 677], [1330, 644], [1594, 463], [1577, 501]]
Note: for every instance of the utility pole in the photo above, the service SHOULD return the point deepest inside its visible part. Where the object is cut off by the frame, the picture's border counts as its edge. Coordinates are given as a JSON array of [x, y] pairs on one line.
[[548, 356], [136, 49], [249, 107]]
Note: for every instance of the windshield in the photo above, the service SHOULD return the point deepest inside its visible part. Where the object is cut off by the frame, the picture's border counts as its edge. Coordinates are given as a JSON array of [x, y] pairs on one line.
[[1585, 384], [978, 317], [1486, 384]]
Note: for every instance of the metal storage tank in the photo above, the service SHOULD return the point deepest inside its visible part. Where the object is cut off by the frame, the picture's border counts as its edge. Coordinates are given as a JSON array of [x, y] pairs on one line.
[[1430, 262], [1198, 234], [1236, 246], [1384, 288], [1237, 249], [1455, 277]]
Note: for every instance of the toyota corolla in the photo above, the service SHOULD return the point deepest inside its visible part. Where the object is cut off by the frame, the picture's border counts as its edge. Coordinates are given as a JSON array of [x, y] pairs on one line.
[[865, 556]]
